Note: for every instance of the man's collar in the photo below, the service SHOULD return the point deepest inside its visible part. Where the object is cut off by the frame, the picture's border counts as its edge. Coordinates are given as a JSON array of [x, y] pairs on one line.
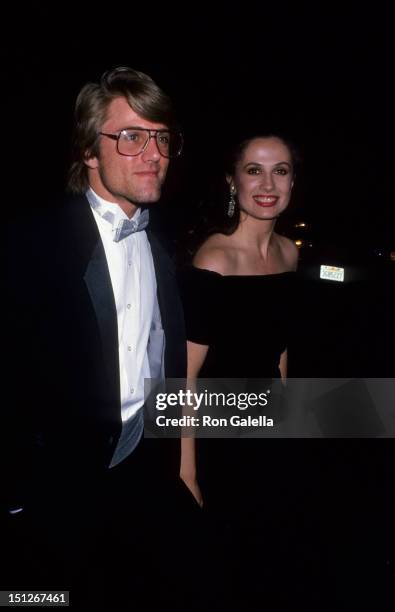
[[109, 211]]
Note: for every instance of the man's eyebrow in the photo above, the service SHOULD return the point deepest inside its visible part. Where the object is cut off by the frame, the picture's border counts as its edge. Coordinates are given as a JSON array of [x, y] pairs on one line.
[[140, 127]]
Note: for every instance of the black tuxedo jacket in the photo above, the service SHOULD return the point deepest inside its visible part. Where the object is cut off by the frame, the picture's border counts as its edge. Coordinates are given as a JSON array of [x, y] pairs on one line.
[[64, 404]]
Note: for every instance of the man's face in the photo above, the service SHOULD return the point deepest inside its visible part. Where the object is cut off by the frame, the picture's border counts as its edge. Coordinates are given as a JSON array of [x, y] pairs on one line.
[[128, 181]]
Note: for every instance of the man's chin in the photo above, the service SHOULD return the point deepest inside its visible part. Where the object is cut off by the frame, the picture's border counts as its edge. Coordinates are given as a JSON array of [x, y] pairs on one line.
[[147, 198]]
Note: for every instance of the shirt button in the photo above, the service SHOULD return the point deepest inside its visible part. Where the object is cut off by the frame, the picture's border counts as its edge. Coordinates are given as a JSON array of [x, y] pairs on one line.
[[128, 306], [129, 348], [132, 390], [129, 263]]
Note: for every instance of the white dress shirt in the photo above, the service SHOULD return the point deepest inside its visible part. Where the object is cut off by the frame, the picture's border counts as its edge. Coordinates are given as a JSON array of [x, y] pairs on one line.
[[134, 285]]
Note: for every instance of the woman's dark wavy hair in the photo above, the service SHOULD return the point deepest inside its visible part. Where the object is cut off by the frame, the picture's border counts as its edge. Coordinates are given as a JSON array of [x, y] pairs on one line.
[[211, 212]]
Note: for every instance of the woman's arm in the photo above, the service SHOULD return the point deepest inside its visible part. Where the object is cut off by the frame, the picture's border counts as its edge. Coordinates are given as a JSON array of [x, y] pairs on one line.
[[291, 255], [196, 356], [283, 366]]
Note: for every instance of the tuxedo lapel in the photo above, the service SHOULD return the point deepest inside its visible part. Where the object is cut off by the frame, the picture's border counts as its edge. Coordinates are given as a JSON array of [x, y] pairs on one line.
[[163, 273], [90, 258], [171, 311], [98, 282]]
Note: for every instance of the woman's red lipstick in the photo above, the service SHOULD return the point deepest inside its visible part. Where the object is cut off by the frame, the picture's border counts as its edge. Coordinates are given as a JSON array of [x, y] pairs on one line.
[[265, 200]]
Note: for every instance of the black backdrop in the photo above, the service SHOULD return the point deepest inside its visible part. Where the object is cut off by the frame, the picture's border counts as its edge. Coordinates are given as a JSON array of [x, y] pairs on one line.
[[323, 72]]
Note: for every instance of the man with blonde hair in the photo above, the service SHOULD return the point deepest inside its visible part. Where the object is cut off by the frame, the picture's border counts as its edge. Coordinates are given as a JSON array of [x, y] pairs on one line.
[[97, 312]]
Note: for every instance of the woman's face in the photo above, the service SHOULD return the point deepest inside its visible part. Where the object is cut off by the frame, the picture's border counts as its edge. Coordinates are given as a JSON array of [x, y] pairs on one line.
[[263, 178]]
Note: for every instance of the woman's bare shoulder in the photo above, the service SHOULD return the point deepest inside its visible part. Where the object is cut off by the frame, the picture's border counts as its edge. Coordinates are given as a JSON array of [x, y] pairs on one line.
[[216, 254], [289, 252]]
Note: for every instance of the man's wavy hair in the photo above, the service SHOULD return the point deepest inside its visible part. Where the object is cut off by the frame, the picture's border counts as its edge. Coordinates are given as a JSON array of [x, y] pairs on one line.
[[143, 95]]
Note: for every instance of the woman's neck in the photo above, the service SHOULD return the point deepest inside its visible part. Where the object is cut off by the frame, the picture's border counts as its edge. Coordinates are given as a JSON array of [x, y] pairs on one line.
[[255, 234]]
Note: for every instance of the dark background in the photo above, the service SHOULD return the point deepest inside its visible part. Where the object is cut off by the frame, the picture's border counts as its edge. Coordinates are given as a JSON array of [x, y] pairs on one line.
[[324, 72], [321, 72]]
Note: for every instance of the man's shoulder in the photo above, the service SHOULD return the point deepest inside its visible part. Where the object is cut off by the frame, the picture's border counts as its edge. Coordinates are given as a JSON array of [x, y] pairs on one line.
[[47, 210], [36, 230], [161, 253], [66, 207]]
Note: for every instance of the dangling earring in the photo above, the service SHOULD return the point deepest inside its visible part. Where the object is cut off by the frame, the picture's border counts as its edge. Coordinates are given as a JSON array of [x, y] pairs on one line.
[[232, 202]]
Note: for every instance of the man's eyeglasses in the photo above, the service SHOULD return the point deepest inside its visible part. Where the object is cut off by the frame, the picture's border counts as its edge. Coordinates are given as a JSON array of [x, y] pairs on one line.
[[133, 141]]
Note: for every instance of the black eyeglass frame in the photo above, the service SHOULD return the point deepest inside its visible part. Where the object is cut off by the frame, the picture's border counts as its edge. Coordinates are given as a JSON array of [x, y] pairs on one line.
[[151, 133]]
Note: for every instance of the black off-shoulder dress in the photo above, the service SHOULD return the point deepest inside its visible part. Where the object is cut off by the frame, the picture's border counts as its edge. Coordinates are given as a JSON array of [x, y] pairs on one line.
[[245, 322], [281, 508], [250, 485]]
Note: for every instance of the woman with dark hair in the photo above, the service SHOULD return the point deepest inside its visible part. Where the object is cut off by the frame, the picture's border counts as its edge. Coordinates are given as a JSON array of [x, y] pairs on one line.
[[235, 293], [237, 299]]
